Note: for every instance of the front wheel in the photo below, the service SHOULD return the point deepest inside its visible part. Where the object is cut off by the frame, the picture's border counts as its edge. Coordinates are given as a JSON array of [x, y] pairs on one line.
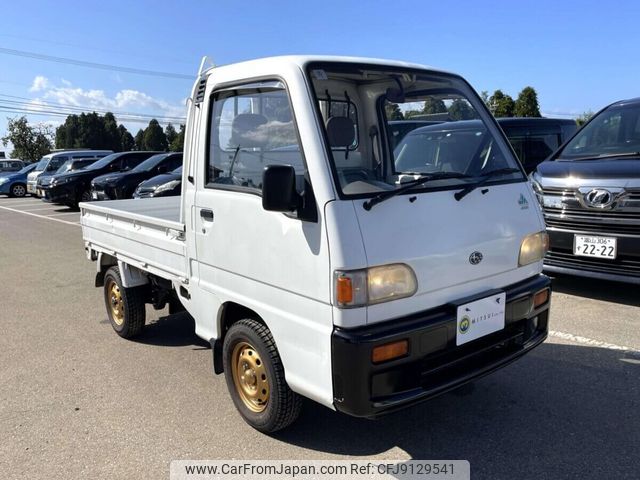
[[125, 306], [255, 377], [18, 190]]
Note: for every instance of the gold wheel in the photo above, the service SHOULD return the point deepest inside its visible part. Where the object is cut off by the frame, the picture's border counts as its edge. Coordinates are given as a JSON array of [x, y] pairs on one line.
[[250, 377], [116, 303]]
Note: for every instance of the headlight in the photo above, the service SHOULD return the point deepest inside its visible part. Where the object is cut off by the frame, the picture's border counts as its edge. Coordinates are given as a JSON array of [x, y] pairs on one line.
[[537, 189], [3, 180], [357, 288], [61, 180], [533, 248], [167, 186]]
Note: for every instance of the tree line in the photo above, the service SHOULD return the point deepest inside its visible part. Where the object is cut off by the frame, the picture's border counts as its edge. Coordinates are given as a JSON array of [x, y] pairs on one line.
[[90, 131], [500, 105]]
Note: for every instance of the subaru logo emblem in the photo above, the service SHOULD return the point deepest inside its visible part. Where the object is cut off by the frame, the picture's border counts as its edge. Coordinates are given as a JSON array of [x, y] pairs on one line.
[[598, 198], [475, 258]]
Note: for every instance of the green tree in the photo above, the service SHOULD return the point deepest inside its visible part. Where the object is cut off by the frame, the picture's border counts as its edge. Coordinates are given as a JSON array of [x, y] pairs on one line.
[[111, 133], [91, 130], [461, 110], [126, 139], [30, 142], [67, 133], [411, 113], [433, 105], [139, 140], [154, 137], [527, 103], [501, 105], [178, 143], [393, 112], [92, 134], [170, 133], [584, 117], [484, 95]]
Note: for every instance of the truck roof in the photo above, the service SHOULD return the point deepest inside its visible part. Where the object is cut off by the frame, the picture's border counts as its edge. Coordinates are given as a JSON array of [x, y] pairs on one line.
[[302, 60]]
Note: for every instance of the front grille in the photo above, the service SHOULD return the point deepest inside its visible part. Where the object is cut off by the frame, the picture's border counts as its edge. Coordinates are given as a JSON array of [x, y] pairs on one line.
[[619, 266], [620, 223]]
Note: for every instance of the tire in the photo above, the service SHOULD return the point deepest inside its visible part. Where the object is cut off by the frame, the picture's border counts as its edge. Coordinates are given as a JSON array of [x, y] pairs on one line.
[[85, 196], [249, 347], [125, 306], [18, 190]]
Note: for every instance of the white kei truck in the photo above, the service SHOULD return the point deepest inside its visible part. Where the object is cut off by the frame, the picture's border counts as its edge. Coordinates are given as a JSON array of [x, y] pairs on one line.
[[321, 256]]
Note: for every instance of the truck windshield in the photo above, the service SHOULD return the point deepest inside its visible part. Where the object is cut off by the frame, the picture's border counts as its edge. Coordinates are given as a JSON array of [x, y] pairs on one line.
[[363, 107], [42, 164], [614, 131]]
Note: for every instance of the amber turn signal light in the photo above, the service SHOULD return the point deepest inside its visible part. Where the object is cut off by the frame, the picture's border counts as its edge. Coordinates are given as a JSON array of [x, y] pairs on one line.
[[344, 290], [389, 351], [540, 298]]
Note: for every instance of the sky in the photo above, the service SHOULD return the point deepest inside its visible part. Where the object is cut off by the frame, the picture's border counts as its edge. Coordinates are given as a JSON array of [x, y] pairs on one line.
[[579, 56]]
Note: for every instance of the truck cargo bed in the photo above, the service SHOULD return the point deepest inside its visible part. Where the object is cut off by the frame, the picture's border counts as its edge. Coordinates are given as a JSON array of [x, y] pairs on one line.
[[145, 233]]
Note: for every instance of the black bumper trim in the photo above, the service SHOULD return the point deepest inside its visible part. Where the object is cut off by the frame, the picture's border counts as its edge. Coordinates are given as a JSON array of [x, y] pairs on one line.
[[435, 364]]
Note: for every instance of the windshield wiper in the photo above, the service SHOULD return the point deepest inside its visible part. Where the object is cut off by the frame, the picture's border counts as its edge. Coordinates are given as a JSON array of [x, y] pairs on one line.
[[381, 197], [485, 178], [608, 155]]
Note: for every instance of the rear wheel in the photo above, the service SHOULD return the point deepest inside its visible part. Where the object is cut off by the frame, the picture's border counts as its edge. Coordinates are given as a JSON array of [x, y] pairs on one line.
[[125, 306], [255, 377], [18, 190]]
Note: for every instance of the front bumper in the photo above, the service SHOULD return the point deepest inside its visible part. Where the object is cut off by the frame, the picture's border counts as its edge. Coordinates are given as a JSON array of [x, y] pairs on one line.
[[31, 186], [102, 192], [624, 268], [64, 194], [434, 364]]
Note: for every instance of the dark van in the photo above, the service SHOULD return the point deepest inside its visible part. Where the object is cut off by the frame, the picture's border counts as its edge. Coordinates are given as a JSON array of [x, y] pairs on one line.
[[535, 139]]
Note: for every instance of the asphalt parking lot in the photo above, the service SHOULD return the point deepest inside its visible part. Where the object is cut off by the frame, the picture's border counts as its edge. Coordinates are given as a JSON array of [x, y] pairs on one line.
[[77, 401]]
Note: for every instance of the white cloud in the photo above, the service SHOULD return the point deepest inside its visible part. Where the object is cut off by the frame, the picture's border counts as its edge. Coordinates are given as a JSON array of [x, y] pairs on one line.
[[39, 83], [125, 103]]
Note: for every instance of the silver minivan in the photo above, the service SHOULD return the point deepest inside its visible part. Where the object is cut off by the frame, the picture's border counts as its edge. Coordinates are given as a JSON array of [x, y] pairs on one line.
[[50, 163]]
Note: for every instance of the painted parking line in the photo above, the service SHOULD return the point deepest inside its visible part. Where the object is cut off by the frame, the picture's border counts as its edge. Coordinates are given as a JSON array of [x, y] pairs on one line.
[[46, 217], [591, 342], [25, 204], [63, 213], [50, 207]]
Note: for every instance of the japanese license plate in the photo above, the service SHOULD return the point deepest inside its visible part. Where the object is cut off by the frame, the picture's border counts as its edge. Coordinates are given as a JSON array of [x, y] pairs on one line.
[[590, 246], [479, 318]]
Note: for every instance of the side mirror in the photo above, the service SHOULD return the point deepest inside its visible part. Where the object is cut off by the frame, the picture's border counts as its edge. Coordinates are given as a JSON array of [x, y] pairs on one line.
[[279, 188], [162, 169]]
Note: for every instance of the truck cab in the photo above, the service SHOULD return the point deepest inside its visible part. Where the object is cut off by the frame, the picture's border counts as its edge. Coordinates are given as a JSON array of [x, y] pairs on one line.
[[314, 258]]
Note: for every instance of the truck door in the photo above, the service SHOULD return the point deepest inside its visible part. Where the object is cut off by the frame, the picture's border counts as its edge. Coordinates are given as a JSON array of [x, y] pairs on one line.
[[274, 263]]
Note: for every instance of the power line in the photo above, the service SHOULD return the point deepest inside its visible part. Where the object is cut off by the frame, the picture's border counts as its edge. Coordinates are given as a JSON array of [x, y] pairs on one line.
[[75, 109], [23, 106], [44, 111], [100, 66], [16, 111], [102, 50]]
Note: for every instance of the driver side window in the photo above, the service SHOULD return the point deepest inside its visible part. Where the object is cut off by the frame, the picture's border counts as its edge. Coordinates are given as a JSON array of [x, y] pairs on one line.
[[252, 126]]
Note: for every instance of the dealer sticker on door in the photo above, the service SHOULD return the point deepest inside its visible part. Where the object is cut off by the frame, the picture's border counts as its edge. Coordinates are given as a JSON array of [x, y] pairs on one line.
[[479, 318]]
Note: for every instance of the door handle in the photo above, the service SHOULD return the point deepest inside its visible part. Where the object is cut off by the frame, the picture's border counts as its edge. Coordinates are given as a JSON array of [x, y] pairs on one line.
[[206, 214]]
